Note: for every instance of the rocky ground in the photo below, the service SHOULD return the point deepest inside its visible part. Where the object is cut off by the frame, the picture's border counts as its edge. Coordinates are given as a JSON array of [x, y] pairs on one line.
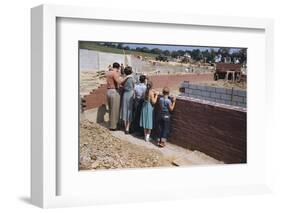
[[103, 149], [99, 149], [225, 84]]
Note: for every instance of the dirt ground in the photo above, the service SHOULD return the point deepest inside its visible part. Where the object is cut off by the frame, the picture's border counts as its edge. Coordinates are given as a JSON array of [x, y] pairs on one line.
[[99, 149], [225, 84], [102, 149]]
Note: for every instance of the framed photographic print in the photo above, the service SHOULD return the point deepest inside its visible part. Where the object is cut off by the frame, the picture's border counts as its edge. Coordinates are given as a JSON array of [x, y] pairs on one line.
[[135, 106]]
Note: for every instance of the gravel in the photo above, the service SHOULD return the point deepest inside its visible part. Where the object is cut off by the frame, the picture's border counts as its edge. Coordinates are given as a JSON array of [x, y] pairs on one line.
[[99, 149]]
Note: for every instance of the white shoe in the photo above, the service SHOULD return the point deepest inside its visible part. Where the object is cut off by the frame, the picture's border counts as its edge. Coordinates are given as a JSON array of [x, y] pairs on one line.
[[147, 138]]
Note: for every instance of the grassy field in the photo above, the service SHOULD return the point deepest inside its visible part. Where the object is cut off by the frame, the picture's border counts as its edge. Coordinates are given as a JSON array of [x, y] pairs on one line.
[[94, 46]]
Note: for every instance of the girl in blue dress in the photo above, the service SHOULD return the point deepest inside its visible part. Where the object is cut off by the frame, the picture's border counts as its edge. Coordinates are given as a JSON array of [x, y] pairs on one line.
[[146, 118]]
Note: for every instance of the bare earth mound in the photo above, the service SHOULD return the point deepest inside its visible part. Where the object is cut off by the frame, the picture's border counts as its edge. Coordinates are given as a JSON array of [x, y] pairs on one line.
[[99, 149]]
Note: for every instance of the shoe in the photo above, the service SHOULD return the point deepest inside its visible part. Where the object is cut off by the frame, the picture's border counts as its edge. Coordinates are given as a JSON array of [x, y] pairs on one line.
[[162, 144], [112, 129], [158, 141], [147, 139], [126, 132]]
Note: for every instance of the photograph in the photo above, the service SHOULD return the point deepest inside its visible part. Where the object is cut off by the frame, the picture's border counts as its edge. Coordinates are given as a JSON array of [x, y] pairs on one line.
[[161, 105]]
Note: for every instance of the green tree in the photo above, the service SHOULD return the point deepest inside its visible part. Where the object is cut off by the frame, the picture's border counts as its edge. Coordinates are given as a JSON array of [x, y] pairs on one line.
[[166, 53], [175, 54], [224, 51], [180, 52], [243, 56], [196, 54], [156, 51], [120, 46], [145, 49]]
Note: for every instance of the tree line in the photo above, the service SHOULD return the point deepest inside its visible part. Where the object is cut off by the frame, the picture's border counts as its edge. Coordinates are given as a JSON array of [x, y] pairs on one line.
[[209, 55]]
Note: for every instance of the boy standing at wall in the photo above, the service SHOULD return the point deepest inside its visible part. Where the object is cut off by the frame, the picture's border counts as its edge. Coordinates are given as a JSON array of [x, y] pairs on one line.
[[167, 105]]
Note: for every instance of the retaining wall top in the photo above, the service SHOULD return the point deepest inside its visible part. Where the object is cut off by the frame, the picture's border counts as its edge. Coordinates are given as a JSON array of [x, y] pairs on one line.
[[220, 95], [226, 106]]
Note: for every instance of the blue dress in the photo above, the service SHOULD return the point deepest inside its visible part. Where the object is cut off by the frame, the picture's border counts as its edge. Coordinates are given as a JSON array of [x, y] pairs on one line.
[[146, 118], [127, 100]]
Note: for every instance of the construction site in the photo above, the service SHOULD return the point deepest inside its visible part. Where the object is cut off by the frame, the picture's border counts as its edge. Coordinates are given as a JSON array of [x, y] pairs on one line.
[[208, 124]]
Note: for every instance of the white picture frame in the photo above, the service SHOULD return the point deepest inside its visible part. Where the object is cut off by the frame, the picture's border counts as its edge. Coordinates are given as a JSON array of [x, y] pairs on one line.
[[44, 154]]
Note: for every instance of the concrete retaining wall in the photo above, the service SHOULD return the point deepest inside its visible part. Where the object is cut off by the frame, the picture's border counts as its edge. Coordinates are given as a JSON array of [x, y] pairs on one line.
[[92, 61], [232, 96]]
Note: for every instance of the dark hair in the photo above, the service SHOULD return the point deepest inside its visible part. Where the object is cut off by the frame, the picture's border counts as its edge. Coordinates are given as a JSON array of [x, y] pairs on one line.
[[116, 65], [128, 70], [142, 78], [148, 88]]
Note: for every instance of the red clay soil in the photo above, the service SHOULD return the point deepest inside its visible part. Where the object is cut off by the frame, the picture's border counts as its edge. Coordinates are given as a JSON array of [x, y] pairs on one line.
[[160, 81], [98, 97]]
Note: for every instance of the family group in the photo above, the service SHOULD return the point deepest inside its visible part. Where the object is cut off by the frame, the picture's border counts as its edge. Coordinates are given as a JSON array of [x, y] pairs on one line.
[[131, 104]]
